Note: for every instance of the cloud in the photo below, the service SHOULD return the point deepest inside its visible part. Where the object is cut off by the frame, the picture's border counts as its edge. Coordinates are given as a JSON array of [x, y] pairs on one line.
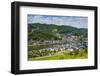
[[75, 21]]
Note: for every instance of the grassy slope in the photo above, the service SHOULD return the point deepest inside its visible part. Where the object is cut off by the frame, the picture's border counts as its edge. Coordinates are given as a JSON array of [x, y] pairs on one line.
[[61, 56]]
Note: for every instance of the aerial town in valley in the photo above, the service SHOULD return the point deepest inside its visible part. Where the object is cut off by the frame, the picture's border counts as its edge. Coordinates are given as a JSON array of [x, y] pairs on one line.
[[57, 44], [69, 44]]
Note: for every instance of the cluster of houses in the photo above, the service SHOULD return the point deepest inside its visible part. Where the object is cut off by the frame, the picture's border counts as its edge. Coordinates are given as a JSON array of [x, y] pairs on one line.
[[67, 44], [62, 48]]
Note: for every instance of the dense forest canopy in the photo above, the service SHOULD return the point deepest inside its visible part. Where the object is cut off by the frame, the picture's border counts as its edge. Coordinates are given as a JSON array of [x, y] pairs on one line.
[[37, 31]]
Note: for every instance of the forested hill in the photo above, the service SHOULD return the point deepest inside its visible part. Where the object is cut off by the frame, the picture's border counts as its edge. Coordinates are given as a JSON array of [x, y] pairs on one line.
[[52, 31]]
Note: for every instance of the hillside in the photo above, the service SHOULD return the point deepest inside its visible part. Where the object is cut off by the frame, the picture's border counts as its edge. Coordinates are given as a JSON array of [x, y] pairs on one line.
[[37, 31]]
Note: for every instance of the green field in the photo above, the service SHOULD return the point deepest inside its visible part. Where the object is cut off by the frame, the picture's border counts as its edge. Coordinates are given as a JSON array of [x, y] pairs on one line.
[[62, 55]]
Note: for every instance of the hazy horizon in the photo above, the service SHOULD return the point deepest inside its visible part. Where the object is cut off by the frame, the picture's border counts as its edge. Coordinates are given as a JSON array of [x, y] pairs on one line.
[[74, 21]]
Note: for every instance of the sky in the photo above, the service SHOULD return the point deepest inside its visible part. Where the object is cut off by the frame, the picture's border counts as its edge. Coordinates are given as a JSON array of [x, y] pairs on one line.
[[75, 21]]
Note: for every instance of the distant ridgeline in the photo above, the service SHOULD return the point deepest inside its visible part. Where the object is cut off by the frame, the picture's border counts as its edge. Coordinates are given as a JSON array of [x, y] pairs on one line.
[[37, 31]]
